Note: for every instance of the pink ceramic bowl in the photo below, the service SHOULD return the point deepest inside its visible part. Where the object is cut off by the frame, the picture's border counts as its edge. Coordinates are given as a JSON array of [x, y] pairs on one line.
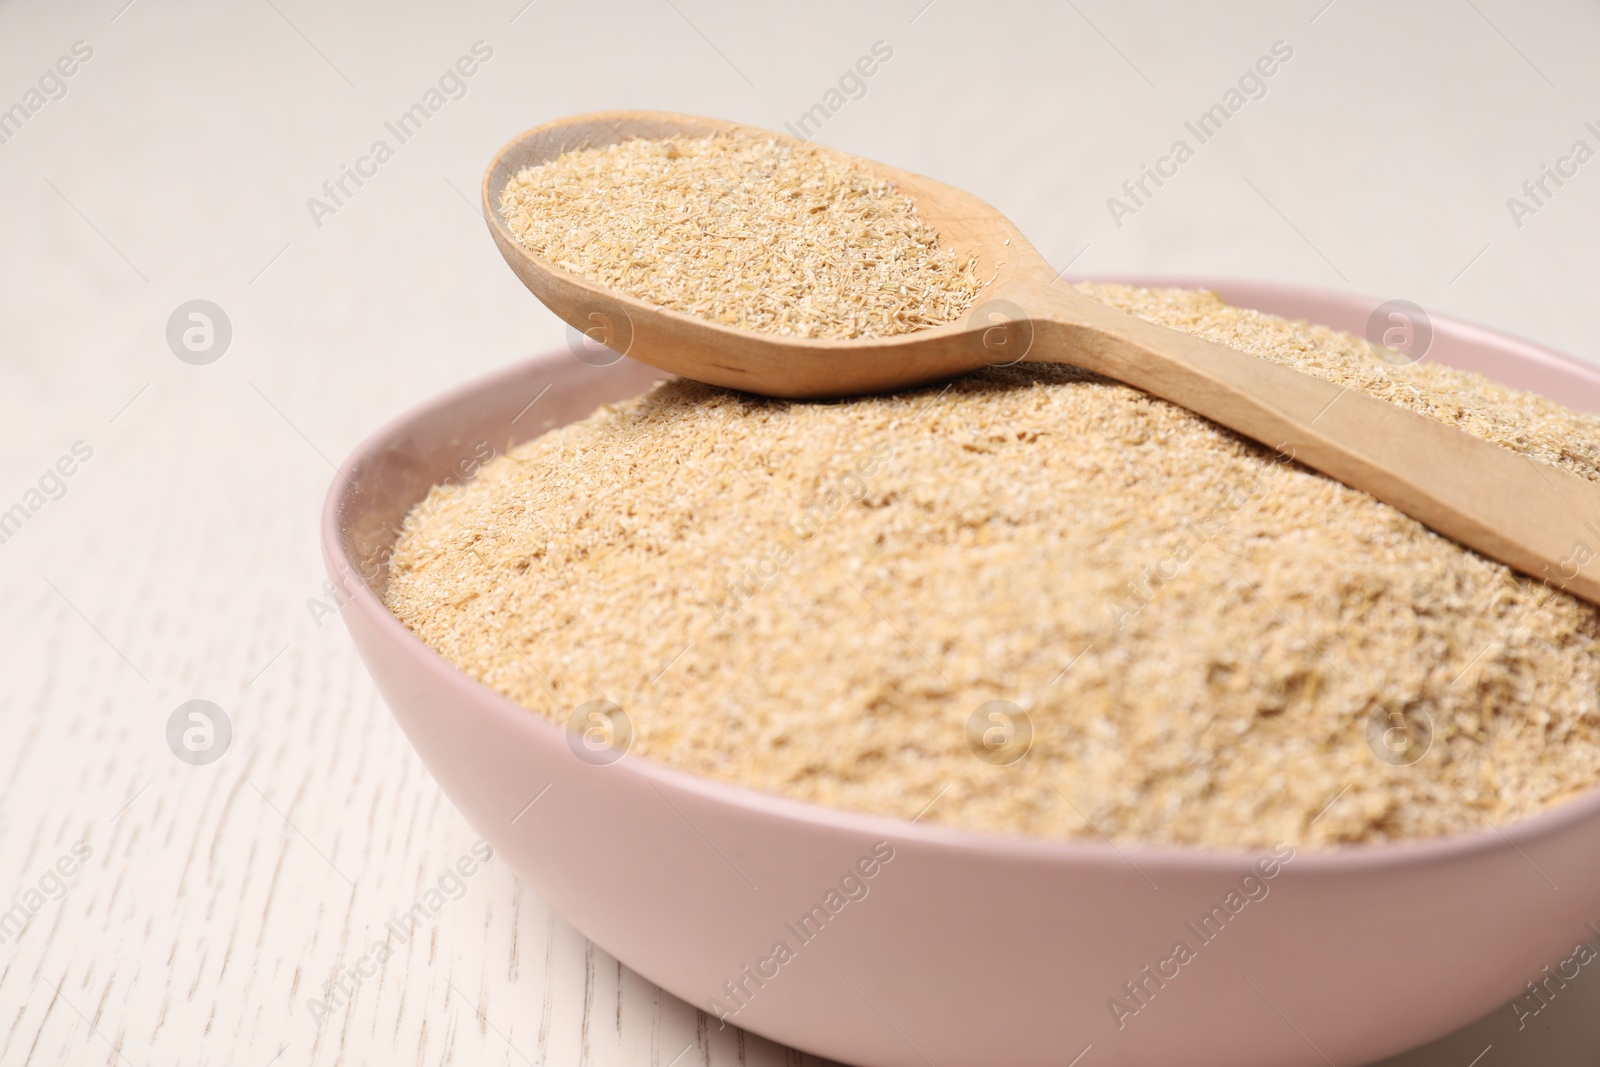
[[961, 948]]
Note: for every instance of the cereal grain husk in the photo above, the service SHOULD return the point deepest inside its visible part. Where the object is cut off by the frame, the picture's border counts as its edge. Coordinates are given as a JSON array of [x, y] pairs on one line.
[[811, 599], [746, 231]]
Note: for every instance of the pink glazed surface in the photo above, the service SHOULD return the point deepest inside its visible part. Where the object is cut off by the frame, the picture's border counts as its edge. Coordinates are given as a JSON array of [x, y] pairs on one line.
[[967, 948]]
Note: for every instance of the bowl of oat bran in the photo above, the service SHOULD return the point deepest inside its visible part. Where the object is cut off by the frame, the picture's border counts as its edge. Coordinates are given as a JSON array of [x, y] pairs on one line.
[[1317, 791]]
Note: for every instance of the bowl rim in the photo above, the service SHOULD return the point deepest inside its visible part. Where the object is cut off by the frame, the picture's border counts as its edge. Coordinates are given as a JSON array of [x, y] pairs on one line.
[[1163, 857]]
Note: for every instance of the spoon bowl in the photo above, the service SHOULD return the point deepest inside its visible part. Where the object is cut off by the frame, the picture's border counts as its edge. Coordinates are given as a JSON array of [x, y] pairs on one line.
[[771, 364]]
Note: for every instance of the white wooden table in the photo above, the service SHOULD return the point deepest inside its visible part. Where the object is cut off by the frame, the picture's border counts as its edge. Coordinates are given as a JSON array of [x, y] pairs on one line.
[[207, 905]]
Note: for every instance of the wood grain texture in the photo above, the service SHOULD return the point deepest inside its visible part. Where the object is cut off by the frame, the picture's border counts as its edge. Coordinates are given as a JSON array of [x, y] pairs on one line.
[[180, 560]]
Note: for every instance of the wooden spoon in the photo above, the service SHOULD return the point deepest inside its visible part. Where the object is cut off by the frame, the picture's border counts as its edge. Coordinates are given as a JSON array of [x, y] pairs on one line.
[[1536, 518]]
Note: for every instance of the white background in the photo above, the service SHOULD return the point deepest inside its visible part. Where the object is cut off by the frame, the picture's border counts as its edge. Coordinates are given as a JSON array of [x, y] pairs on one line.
[[181, 560]]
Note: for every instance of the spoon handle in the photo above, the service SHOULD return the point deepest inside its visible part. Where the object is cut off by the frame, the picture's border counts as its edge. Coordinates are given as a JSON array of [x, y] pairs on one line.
[[1538, 519]]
